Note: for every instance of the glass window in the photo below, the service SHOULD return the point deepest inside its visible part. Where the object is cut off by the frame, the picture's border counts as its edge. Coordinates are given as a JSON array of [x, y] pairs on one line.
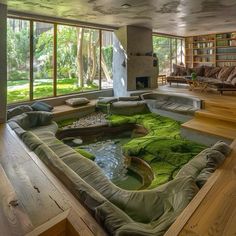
[[77, 59], [169, 51], [18, 54], [43, 60], [162, 46], [107, 59]]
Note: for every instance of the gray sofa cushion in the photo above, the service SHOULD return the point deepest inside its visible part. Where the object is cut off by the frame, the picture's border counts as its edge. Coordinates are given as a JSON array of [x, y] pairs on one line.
[[129, 107], [32, 119], [41, 106], [222, 147], [18, 110]]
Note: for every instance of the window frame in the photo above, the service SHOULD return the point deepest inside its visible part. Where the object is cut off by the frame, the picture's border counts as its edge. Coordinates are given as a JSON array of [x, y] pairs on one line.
[[54, 62], [173, 41]]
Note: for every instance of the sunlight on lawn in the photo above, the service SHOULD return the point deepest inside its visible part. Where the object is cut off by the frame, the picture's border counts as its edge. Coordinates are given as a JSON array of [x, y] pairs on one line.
[[18, 91]]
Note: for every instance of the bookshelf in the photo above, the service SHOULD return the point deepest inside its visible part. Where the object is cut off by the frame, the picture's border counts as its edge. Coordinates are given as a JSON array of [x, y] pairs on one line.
[[226, 49], [212, 50], [201, 49]]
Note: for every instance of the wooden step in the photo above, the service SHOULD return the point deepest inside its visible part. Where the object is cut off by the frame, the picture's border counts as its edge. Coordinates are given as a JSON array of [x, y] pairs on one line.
[[213, 127], [216, 116], [228, 109]]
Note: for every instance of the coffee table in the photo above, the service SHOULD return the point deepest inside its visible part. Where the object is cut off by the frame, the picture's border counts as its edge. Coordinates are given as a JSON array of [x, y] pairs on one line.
[[196, 84]]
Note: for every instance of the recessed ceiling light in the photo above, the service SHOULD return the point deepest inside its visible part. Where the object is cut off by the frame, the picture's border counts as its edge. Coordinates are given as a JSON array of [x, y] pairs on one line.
[[126, 5]]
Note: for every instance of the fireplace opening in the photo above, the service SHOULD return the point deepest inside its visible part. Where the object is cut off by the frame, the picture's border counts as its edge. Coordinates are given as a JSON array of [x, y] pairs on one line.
[[142, 82]]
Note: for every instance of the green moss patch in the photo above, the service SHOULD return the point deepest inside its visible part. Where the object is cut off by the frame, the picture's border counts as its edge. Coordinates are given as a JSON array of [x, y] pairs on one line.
[[162, 148], [85, 153], [65, 122]]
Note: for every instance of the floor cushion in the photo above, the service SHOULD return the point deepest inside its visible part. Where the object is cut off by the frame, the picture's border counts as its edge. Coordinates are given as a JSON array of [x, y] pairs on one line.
[[74, 102], [18, 110]]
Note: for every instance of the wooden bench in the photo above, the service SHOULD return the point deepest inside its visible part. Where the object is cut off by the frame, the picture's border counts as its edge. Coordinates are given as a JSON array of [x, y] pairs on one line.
[[65, 111]]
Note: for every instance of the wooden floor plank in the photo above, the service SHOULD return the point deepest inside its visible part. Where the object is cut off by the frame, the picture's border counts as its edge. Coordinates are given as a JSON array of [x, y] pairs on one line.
[[34, 192], [13, 219]]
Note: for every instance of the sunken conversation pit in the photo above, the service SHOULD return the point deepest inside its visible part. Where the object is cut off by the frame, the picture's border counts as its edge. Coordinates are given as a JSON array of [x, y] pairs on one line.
[[120, 211]]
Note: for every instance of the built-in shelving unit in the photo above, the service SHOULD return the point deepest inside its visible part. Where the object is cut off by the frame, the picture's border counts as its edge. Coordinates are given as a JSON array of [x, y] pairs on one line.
[[203, 49], [226, 49], [213, 49]]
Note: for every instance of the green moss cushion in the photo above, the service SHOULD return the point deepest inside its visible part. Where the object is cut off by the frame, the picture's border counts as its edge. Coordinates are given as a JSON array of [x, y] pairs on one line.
[[18, 110], [42, 106], [85, 153]]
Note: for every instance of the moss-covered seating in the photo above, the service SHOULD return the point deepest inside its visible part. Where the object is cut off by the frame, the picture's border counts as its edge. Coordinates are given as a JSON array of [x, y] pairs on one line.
[[176, 106], [121, 212]]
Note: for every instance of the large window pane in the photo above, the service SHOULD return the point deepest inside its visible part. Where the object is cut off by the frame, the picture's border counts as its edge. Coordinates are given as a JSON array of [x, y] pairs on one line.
[[162, 46], [169, 51], [107, 59], [18, 60], [77, 59], [43, 60]]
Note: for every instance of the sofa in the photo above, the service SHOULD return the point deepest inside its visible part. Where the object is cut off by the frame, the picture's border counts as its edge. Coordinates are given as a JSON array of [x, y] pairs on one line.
[[220, 78], [120, 212], [177, 106]]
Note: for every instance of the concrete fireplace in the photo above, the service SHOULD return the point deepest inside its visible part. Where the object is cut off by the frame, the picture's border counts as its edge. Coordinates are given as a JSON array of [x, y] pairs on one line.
[[133, 62]]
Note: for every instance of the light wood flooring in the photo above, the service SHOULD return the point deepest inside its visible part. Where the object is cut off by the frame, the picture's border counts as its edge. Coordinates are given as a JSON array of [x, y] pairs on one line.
[[213, 210]]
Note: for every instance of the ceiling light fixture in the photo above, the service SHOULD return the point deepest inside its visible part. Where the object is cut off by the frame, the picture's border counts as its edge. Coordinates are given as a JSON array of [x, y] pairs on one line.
[[125, 5]]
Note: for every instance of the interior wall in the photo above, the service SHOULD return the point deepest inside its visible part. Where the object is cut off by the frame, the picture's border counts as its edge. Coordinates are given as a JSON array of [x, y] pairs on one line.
[[3, 62]]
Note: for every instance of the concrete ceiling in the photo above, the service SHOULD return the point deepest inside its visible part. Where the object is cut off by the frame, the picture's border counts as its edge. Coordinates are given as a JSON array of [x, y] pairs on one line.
[[180, 17]]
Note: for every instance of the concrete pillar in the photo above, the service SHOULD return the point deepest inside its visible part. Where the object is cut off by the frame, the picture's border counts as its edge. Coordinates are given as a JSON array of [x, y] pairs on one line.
[[3, 63], [132, 59]]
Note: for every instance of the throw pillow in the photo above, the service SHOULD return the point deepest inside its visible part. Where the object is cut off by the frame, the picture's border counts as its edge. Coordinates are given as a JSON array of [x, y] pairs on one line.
[[179, 70], [212, 72], [233, 81], [225, 72], [232, 75], [77, 101], [18, 110], [198, 70], [41, 106]]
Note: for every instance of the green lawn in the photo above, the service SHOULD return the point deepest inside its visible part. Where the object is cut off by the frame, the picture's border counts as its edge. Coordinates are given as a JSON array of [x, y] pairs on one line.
[[19, 90]]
